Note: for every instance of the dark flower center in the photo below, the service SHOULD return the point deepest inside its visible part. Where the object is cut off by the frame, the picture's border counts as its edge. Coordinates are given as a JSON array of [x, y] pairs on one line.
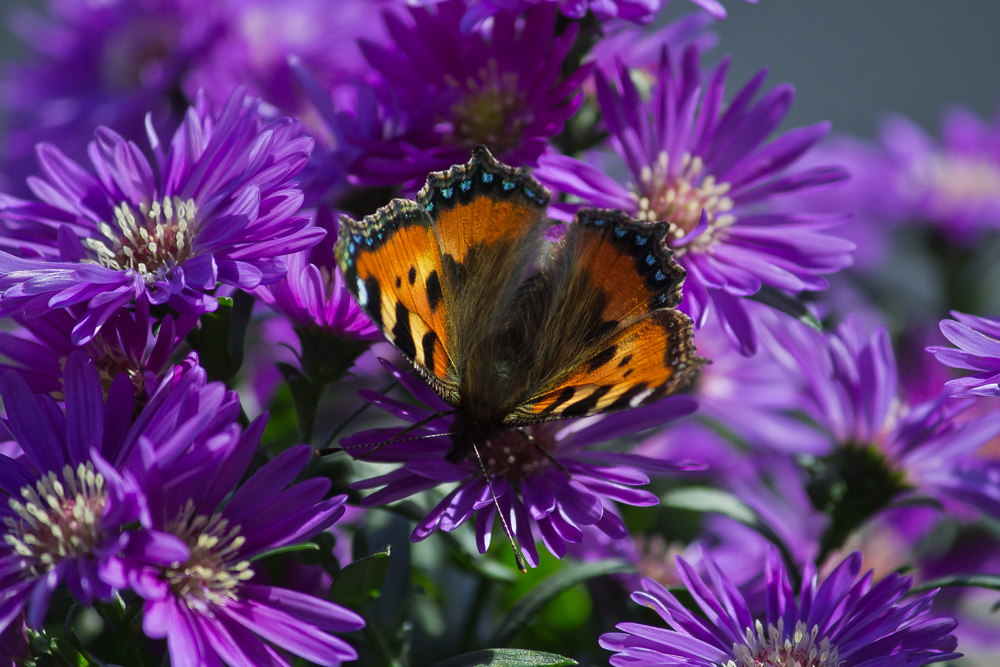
[[775, 649], [59, 518], [110, 361], [680, 198], [490, 113], [213, 572], [159, 238], [510, 455]]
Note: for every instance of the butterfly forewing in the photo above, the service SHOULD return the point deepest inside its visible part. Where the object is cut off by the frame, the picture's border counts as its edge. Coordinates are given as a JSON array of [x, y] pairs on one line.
[[393, 268]]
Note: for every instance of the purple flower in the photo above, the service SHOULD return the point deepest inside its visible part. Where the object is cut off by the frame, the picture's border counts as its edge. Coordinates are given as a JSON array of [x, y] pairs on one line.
[[711, 172], [551, 495], [99, 63], [954, 183], [638, 11], [852, 393], [39, 347], [504, 89], [192, 560], [312, 293], [845, 621], [978, 340], [65, 497], [220, 207], [260, 36]]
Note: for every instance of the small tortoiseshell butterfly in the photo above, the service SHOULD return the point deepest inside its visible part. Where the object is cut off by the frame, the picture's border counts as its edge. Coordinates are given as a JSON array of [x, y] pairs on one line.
[[507, 328]]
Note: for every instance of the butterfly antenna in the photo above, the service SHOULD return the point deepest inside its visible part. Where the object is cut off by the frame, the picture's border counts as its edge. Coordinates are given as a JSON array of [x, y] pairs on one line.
[[530, 438], [396, 438], [510, 536]]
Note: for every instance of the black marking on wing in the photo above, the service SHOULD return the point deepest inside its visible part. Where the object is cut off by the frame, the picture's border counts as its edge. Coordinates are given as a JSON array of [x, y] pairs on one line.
[[412, 275], [373, 305], [434, 294], [627, 358], [427, 342], [585, 405], [602, 357], [403, 336], [564, 396]]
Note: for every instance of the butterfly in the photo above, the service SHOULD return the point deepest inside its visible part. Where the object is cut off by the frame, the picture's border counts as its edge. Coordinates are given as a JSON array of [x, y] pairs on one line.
[[511, 329]]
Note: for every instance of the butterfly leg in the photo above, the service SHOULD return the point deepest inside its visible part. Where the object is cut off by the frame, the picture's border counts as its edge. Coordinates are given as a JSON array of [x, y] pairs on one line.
[[530, 438], [510, 536]]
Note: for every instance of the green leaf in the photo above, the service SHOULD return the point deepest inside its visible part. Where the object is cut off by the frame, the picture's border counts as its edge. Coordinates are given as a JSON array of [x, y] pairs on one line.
[[360, 582], [548, 590], [305, 546], [775, 298], [708, 499], [507, 657], [220, 338], [304, 396], [989, 581]]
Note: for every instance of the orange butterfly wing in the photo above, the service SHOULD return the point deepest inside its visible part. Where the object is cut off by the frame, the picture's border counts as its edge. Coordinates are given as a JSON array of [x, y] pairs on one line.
[[430, 272], [392, 267], [616, 286]]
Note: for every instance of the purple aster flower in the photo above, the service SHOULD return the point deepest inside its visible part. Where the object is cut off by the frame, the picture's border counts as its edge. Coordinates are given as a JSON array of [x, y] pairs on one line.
[[503, 88], [978, 342], [220, 207], [637, 11], [551, 495], [66, 496], [954, 183], [711, 172], [312, 294], [845, 621], [126, 344], [927, 449], [205, 601], [100, 63], [260, 36]]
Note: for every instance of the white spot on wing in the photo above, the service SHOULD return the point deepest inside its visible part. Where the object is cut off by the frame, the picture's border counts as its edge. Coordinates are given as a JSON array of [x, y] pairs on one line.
[[362, 293], [637, 400]]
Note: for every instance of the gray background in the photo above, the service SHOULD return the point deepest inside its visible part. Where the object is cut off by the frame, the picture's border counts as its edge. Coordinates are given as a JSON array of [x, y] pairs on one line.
[[853, 60]]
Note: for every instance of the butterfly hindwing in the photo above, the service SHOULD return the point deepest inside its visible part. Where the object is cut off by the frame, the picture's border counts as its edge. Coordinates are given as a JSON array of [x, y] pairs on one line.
[[392, 267], [613, 338]]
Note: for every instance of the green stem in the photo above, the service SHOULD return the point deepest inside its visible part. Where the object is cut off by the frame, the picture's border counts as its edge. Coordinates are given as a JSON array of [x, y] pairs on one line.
[[467, 639], [328, 441], [114, 612], [378, 642]]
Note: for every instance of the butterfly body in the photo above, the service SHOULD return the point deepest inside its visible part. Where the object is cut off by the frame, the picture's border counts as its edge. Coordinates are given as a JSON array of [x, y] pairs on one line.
[[510, 329]]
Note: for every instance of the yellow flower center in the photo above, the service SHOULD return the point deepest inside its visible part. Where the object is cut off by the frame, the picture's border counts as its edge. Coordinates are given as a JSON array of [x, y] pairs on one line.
[[490, 111], [680, 199], [159, 238], [59, 518], [774, 649], [213, 573]]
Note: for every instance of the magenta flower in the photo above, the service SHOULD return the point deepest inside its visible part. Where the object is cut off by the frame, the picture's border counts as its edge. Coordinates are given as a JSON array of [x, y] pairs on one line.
[[65, 497], [953, 183], [978, 342], [39, 347], [929, 448], [313, 295], [191, 559], [220, 207], [537, 496], [100, 63], [845, 621], [453, 92], [712, 174]]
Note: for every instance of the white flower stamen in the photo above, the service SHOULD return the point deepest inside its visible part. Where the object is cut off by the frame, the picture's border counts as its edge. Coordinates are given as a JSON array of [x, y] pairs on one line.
[[680, 199], [59, 518], [159, 241], [775, 649]]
